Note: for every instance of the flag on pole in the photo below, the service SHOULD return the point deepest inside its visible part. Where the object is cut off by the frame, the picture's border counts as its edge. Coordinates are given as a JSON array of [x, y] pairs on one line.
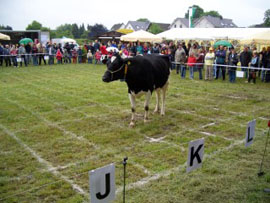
[[191, 16]]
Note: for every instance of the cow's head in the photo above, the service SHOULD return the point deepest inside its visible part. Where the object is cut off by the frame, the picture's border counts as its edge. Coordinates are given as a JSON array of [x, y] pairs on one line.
[[115, 69]]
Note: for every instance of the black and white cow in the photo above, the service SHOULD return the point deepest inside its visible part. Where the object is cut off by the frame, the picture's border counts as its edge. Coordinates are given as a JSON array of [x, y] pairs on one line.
[[143, 74]]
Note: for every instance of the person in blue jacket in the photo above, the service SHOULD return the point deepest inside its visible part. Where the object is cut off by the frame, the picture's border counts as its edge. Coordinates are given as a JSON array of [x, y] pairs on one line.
[[220, 60]]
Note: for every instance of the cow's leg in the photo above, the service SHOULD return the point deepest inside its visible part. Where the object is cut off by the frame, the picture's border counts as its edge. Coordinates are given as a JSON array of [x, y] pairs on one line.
[[133, 109], [146, 105], [164, 90], [157, 109]]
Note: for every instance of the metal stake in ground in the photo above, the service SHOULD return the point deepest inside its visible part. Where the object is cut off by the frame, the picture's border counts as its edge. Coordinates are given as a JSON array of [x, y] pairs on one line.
[[261, 173], [124, 189]]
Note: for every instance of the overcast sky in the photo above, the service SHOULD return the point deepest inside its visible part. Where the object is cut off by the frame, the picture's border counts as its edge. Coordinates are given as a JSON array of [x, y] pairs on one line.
[[52, 13]]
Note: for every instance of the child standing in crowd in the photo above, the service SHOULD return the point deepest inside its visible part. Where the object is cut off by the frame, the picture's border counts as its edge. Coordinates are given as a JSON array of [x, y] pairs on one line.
[[125, 51], [74, 56], [232, 61], [59, 56], [254, 63], [97, 56], [191, 63], [79, 54], [13, 53], [89, 56], [66, 55]]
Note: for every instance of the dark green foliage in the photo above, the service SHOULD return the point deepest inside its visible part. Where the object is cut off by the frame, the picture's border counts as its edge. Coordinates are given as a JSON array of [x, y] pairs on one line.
[[35, 25], [143, 20], [213, 13], [155, 28], [2, 27], [96, 30]]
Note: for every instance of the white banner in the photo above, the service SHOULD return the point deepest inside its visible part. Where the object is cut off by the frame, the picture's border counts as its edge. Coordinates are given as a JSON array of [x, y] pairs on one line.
[[195, 154], [250, 133], [102, 184]]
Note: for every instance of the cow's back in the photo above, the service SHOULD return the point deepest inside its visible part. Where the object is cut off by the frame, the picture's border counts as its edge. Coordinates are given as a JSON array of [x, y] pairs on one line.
[[148, 72], [160, 69]]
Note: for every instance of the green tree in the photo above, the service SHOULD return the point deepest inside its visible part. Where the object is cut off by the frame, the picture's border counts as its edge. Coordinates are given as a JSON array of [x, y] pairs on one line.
[[45, 29], [266, 19], [155, 28], [81, 30], [198, 12], [35, 25], [63, 30], [85, 35], [75, 31], [212, 13], [96, 30], [2, 27], [143, 20]]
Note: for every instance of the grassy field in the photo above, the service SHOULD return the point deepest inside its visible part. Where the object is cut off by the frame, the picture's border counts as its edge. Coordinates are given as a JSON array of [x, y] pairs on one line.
[[59, 122]]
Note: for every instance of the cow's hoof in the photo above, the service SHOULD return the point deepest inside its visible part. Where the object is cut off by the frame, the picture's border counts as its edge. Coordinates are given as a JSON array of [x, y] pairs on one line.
[[162, 114], [156, 111], [132, 125], [145, 120]]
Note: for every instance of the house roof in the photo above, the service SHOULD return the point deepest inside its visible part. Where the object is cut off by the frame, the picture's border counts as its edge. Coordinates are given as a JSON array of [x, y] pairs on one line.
[[217, 22], [164, 26], [117, 26], [137, 25], [183, 20], [111, 34]]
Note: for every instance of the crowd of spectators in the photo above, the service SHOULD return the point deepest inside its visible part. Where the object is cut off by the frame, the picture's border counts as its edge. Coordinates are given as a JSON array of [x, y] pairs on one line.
[[216, 63]]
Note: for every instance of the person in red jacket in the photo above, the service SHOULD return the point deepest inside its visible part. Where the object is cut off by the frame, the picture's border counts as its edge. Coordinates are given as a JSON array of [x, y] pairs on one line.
[[59, 56], [103, 50], [191, 63]]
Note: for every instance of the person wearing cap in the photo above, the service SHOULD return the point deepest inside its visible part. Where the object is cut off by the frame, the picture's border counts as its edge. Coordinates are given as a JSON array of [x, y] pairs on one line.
[[232, 62], [254, 63], [209, 61]]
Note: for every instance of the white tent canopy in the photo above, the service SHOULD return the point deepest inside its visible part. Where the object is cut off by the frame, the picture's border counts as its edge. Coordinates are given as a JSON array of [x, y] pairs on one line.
[[262, 38], [4, 37], [141, 36], [209, 33]]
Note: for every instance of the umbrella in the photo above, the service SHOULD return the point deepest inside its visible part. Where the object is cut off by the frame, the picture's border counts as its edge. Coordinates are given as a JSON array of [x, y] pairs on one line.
[[4, 37], [262, 38], [141, 36], [113, 49], [25, 41], [222, 43]]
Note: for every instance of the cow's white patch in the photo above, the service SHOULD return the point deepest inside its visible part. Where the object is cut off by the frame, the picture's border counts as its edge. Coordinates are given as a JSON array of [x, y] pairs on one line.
[[113, 58], [139, 94]]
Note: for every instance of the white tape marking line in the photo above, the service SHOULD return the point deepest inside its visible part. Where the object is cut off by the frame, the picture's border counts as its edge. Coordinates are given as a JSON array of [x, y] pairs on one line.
[[73, 135], [207, 125], [48, 166], [156, 139], [265, 119], [213, 135], [166, 173]]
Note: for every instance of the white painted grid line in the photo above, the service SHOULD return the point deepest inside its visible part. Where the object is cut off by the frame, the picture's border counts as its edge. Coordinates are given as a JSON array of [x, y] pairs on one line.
[[168, 172], [45, 163], [47, 122]]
